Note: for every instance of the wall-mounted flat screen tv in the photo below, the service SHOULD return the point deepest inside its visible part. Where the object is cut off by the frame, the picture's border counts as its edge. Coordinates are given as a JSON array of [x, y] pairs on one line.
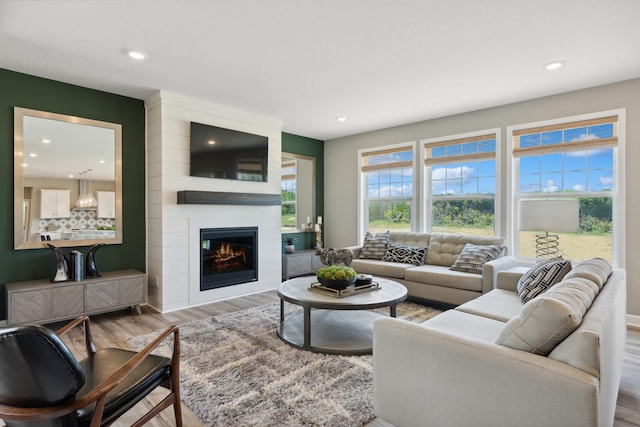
[[228, 154]]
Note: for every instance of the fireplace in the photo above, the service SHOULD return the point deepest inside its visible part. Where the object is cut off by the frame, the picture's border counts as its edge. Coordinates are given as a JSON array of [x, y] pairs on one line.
[[228, 256]]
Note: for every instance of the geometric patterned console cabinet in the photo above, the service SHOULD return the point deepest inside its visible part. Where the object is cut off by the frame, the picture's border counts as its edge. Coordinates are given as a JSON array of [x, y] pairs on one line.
[[40, 301], [300, 263]]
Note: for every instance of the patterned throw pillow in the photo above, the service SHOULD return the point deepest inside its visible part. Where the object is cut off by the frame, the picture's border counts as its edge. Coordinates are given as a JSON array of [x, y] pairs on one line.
[[541, 277], [473, 257], [405, 254], [374, 247]]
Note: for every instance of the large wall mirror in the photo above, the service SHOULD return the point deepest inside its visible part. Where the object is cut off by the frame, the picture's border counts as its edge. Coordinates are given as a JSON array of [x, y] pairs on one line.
[[298, 182], [67, 180]]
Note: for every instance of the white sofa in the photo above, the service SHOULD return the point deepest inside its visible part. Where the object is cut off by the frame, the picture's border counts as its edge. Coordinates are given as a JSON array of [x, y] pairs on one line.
[[450, 370], [434, 280]]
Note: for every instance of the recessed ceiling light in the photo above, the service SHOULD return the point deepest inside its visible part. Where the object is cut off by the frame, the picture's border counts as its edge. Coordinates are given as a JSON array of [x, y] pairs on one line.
[[211, 142], [45, 141], [554, 65], [136, 55], [341, 118], [101, 161], [24, 165], [33, 154]]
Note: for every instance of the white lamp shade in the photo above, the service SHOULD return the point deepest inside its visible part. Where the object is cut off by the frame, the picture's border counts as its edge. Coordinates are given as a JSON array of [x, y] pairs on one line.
[[550, 215]]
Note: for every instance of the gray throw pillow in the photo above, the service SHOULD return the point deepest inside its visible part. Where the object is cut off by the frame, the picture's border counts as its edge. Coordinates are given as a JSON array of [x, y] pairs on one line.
[[374, 247], [473, 257], [405, 254], [541, 277]]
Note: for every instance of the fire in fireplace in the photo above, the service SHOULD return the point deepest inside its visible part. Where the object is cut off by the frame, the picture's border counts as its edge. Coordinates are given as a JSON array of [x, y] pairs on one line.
[[229, 256]]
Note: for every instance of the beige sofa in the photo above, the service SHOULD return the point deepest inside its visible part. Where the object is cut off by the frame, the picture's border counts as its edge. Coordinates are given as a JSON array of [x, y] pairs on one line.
[[434, 280], [462, 367]]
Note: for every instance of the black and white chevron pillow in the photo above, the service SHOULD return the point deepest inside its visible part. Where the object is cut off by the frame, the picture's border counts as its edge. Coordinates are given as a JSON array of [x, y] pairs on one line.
[[541, 277], [473, 257], [405, 254]]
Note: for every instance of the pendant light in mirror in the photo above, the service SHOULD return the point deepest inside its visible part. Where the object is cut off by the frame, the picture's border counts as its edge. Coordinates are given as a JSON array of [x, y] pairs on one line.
[[85, 197]]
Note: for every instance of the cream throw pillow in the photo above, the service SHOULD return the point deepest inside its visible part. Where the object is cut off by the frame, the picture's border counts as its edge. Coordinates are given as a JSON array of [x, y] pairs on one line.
[[548, 319], [594, 269]]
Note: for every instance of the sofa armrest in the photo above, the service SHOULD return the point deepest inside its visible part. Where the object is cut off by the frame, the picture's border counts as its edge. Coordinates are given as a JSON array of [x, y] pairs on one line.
[[355, 250], [491, 269], [424, 376]]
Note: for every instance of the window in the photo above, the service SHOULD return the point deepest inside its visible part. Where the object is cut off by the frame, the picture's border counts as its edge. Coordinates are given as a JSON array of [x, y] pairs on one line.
[[387, 177], [461, 195], [574, 161], [288, 193]]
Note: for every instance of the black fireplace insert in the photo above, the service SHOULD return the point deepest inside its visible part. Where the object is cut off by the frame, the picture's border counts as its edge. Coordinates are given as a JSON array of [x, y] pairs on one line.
[[228, 256]]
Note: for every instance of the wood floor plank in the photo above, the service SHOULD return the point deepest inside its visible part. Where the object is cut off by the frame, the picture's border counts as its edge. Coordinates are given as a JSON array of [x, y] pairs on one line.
[[113, 329]]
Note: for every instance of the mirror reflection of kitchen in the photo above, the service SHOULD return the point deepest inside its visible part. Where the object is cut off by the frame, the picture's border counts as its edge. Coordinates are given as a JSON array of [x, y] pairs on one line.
[[69, 181]]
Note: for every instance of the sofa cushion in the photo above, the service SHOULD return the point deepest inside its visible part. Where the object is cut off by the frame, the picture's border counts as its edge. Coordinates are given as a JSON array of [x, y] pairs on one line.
[[444, 248], [465, 325], [409, 238], [551, 317], [498, 304], [405, 254], [374, 247], [442, 276], [591, 346], [393, 270], [473, 257], [541, 277], [595, 269]]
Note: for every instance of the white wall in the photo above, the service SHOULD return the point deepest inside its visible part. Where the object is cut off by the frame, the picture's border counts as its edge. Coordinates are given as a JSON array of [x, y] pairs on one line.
[[341, 172], [173, 239]]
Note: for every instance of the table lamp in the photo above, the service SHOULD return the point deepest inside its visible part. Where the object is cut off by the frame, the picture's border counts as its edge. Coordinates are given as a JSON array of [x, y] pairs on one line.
[[549, 216]]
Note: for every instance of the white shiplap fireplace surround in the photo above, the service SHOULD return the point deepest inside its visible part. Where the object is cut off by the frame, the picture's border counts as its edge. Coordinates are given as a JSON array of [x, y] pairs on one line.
[[173, 230]]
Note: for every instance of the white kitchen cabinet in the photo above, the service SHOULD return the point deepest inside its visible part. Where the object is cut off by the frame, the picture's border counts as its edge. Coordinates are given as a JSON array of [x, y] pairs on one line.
[[55, 203], [106, 204]]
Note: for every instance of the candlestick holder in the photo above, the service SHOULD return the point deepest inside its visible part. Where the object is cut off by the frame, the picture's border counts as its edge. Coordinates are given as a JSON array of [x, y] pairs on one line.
[[318, 236]]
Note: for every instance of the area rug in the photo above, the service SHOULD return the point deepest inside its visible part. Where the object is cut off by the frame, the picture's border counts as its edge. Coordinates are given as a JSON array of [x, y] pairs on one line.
[[235, 371]]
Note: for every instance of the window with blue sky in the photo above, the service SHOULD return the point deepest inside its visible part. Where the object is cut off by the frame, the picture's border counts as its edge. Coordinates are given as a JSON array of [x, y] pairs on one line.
[[389, 185], [574, 160], [579, 170], [462, 191]]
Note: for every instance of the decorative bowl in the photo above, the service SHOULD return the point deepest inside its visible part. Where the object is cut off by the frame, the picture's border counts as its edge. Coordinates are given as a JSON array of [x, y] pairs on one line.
[[336, 284]]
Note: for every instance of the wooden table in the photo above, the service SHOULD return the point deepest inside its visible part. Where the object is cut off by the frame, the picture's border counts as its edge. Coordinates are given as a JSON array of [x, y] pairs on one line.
[[334, 325]]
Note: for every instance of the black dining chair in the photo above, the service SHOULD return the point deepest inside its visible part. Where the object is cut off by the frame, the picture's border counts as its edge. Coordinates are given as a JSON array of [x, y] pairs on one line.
[[42, 384]]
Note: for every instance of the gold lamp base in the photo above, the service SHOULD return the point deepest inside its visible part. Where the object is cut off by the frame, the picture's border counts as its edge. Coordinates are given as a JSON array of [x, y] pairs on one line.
[[547, 245]]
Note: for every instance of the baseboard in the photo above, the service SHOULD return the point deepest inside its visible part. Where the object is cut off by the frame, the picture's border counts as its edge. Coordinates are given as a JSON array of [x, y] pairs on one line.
[[633, 322]]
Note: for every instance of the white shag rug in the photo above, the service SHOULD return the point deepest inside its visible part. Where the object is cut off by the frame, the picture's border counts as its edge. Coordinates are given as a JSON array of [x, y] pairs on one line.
[[235, 371]]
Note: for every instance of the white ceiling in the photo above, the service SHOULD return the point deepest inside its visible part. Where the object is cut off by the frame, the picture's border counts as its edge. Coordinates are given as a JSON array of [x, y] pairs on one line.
[[380, 63]]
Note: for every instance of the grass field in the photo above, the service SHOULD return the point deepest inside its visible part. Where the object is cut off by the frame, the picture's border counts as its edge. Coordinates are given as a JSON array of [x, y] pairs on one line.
[[572, 245]]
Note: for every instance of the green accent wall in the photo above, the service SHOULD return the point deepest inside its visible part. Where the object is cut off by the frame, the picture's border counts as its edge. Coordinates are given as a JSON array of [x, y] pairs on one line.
[[22, 90], [313, 148]]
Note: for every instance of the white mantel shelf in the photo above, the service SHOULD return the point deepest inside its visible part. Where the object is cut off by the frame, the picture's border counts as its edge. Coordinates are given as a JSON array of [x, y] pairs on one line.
[[187, 197]]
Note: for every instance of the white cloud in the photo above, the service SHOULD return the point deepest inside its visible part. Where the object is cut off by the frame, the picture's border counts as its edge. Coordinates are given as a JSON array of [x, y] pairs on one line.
[[584, 153], [550, 186], [452, 173], [391, 191], [606, 180], [578, 187]]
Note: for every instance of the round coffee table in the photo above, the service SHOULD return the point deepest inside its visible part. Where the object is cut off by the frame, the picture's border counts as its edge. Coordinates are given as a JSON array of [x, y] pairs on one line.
[[328, 324]]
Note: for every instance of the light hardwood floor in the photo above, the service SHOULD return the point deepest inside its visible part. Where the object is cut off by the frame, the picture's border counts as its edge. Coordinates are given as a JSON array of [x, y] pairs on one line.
[[114, 329]]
